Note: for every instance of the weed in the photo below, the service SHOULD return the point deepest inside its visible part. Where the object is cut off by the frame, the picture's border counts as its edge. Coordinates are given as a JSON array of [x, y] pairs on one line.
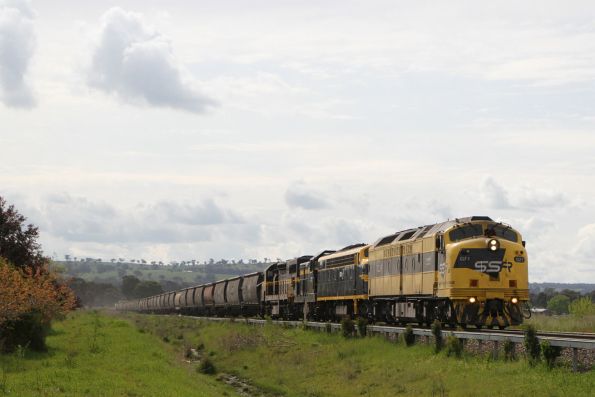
[[93, 344], [362, 326], [454, 346], [438, 388], [165, 339], [409, 336], [207, 367], [304, 325], [509, 350], [328, 327], [532, 344], [69, 359], [437, 332], [4, 381], [347, 327], [550, 353]]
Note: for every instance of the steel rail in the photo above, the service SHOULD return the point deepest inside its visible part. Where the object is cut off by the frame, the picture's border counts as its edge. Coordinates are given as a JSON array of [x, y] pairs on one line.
[[568, 340]]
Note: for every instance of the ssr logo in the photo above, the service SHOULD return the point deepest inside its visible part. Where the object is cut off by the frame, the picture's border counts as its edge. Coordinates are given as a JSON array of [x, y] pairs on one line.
[[491, 266]]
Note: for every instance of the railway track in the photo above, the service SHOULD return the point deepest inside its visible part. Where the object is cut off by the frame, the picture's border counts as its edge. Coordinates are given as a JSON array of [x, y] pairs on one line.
[[552, 334], [516, 332]]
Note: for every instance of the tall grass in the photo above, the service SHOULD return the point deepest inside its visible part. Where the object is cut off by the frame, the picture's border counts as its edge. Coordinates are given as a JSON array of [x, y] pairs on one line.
[[91, 354], [296, 362], [570, 323]]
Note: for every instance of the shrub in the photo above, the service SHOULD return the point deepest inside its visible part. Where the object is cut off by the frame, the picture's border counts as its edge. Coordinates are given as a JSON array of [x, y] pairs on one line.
[[409, 336], [550, 353], [454, 346], [362, 326], [509, 350], [437, 332], [532, 347], [31, 295], [347, 327], [559, 304], [582, 307], [207, 367], [29, 330]]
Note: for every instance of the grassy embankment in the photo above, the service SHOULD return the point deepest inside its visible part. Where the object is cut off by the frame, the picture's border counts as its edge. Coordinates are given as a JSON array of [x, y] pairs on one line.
[[91, 354], [294, 362], [567, 322]]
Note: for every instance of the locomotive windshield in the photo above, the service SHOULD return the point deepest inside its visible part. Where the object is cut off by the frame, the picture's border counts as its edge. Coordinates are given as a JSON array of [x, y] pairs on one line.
[[502, 231], [466, 231], [491, 230]]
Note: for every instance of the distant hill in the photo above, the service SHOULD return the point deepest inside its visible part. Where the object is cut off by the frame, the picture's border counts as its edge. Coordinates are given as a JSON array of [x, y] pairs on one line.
[[583, 288], [187, 274], [169, 276]]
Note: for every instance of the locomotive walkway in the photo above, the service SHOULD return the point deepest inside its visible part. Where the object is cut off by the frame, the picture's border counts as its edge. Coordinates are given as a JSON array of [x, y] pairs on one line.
[[568, 340]]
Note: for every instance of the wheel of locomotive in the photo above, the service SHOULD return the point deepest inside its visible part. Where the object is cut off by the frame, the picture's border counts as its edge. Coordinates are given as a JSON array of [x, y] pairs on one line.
[[501, 326]]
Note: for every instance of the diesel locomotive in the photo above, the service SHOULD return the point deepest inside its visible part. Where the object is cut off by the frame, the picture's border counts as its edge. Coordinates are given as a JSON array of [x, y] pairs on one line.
[[466, 271]]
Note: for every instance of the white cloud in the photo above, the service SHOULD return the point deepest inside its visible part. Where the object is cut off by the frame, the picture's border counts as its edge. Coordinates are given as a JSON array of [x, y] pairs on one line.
[[541, 198], [529, 198], [17, 44], [78, 219], [493, 194], [137, 63], [585, 246], [298, 195]]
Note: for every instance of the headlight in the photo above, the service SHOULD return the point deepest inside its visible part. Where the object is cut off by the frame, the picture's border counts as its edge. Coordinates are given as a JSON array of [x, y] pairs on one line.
[[514, 300], [472, 300], [493, 244]]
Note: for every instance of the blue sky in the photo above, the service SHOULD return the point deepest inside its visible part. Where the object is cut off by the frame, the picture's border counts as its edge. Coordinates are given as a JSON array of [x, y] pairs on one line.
[[178, 130]]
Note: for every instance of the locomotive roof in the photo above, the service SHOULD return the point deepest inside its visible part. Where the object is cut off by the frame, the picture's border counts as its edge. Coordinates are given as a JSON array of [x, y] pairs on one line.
[[428, 230], [356, 248]]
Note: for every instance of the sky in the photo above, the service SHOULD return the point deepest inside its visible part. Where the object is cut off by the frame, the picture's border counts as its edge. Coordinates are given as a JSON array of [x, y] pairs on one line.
[[176, 130]]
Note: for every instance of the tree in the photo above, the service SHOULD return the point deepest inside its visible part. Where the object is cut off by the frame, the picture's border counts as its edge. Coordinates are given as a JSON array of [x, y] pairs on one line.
[[147, 288], [582, 307], [18, 242], [128, 285], [559, 304], [31, 295]]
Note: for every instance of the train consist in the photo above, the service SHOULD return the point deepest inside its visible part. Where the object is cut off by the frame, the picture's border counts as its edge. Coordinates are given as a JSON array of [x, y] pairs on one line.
[[467, 271]]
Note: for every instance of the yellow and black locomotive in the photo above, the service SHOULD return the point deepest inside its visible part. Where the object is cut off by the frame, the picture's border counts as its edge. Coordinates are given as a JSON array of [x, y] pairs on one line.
[[466, 271]]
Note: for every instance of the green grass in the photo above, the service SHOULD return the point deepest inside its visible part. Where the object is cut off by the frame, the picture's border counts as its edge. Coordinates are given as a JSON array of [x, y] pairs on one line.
[[294, 362], [567, 323], [91, 354]]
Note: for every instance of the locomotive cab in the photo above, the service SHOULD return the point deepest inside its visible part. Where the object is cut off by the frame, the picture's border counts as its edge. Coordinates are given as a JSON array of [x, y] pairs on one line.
[[484, 272]]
